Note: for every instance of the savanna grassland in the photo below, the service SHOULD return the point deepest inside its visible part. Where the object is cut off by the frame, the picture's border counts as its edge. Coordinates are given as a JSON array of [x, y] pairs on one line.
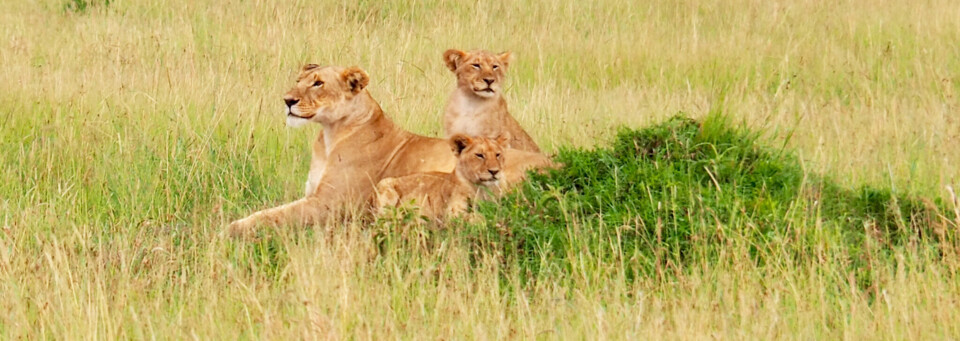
[[810, 199]]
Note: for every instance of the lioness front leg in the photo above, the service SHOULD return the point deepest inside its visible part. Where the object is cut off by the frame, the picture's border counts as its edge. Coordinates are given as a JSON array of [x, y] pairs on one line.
[[338, 190], [305, 211]]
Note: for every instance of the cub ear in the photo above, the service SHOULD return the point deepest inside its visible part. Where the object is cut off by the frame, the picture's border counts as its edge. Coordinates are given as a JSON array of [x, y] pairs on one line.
[[505, 58], [459, 142], [503, 139], [453, 57], [309, 67], [355, 79]]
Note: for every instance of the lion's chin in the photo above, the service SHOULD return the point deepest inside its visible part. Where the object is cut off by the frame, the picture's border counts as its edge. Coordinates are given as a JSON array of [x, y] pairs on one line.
[[296, 121]]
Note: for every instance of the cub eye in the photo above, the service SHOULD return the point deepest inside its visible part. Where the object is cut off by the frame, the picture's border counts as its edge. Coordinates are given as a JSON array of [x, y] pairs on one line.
[[498, 155], [476, 66], [318, 83], [480, 156], [496, 67]]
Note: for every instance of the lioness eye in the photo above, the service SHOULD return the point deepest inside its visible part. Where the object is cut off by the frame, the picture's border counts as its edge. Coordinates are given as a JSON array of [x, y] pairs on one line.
[[480, 156], [476, 66], [496, 67], [498, 155], [317, 83]]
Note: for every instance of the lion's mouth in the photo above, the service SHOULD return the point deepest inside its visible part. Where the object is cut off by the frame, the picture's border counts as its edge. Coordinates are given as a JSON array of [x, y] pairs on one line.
[[490, 180], [490, 183], [295, 121], [292, 115], [485, 90]]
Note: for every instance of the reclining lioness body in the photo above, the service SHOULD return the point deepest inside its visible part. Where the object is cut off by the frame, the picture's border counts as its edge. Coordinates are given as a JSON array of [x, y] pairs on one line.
[[476, 107], [358, 147], [442, 195]]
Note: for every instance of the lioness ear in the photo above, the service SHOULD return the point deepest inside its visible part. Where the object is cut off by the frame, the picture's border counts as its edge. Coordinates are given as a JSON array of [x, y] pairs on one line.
[[504, 139], [309, 67], [453, 57], [355, 78], [505, 58], [459, 142]]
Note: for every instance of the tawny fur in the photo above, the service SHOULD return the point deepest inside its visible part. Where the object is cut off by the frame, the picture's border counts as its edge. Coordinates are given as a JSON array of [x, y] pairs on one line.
[[357, 148], [443, 195], [477, 107], [520, 162]]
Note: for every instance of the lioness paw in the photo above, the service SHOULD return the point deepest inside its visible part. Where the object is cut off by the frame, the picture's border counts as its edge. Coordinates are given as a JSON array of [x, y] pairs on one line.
[[241, 228]]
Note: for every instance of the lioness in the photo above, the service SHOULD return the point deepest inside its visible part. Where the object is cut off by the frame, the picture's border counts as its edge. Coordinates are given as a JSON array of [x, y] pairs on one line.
[[441, 195], [359, 146], [476, 107]]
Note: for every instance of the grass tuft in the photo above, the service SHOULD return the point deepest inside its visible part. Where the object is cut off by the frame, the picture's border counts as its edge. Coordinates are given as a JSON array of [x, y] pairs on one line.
[[134, 131], [83, 6]]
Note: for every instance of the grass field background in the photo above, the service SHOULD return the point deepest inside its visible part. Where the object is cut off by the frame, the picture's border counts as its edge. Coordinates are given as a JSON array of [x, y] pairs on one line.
[[133, 131]]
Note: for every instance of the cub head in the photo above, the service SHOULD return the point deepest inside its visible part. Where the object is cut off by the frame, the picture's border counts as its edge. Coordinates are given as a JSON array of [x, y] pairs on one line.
[[480, 72], [324, 94], [480, 159]]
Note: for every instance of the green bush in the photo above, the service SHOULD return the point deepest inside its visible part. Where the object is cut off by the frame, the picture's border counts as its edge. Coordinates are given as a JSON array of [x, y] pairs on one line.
[[675, 192]]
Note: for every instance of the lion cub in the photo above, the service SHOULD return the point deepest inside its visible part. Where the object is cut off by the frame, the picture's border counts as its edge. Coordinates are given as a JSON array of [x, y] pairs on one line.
[[441, 195], [476, 107]]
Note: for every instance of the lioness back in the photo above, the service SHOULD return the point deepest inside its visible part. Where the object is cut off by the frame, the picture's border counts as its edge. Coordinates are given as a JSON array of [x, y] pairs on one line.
[[522, 161], [476, 107]]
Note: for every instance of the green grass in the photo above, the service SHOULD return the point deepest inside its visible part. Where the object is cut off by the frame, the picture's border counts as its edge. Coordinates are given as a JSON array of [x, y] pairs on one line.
[[678, 192], [803, 204]]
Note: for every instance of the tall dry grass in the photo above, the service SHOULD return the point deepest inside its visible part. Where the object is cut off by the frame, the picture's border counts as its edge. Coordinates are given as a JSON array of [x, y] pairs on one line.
[[132, 131]]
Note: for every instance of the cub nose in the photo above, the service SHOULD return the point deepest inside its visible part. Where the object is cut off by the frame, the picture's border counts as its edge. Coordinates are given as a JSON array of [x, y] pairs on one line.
[[493, 172], [291, 101], [488, 80]]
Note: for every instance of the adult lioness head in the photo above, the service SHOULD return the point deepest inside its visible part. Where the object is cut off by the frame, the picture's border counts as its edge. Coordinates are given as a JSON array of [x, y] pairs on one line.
[[478, 71], [324, 94], [480, 159]]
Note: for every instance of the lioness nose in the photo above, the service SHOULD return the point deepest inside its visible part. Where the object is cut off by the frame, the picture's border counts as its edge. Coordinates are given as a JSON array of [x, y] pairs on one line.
[[488, 80], [291, 101], [493, 172]]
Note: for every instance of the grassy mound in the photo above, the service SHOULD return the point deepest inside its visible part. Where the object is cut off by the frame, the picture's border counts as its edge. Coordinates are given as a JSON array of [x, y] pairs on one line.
[[681, 192]]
